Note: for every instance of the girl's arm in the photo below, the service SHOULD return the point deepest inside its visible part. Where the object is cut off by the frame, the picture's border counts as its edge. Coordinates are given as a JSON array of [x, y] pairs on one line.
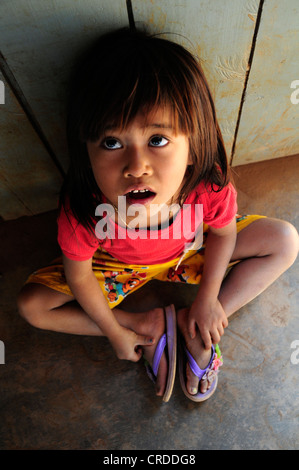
[[206, 311], [87, 292]]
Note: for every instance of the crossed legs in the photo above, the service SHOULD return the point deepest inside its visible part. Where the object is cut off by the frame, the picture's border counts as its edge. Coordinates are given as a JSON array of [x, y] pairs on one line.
[[266, 248]]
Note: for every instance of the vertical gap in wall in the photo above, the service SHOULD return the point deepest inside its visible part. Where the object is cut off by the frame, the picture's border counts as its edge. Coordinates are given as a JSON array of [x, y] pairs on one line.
[[18, 93], [256, 29], [130, 15]]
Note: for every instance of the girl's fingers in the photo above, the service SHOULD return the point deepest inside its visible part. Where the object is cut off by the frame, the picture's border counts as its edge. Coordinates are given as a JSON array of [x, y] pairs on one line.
[[144, 340], [192, 329], [220, 330], [216, 337], [138, 353], [141, 341], [206, 338]]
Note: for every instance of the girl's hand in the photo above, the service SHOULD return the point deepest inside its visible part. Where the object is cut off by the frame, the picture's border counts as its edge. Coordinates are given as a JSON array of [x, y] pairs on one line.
[[128, 344], [206, 312], [210, 318]]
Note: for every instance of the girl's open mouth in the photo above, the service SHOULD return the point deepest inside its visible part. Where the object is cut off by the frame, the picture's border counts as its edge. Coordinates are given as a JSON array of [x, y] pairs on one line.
[[140, 196]]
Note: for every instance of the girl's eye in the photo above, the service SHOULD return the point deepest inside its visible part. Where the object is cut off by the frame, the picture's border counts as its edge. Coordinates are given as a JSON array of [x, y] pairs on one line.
[[110, 143], [158, 141]]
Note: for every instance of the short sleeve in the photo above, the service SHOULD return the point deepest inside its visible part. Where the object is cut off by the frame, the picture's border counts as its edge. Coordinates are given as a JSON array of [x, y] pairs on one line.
[[220, 207], [75, 241]]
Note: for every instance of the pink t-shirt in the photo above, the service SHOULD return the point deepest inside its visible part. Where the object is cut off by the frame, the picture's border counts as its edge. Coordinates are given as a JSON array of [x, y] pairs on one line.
[[146, 247]]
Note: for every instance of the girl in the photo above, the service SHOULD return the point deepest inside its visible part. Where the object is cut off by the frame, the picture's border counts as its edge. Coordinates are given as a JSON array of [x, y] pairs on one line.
[[143, 133]]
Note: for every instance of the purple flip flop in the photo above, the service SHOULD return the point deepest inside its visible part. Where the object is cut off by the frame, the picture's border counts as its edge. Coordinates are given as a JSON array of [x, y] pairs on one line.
[[167, 339], [210, 372]]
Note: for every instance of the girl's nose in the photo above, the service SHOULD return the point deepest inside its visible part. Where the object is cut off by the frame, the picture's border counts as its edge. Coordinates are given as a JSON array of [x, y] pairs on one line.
[[137, 164]]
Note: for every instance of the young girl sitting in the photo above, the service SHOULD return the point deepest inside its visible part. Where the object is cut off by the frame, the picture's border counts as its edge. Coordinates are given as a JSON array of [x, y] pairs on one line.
[[143, 136]]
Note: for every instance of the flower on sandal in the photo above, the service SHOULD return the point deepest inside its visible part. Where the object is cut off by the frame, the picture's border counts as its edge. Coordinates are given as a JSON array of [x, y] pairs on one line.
[[209, 375], [217, 362]]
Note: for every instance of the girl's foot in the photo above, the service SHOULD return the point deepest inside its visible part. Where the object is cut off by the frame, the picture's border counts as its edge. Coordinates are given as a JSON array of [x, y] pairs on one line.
[[152, 323], [201, 355]]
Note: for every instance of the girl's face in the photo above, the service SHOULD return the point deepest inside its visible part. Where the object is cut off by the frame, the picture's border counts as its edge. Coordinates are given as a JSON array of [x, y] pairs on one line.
[[146, 162]]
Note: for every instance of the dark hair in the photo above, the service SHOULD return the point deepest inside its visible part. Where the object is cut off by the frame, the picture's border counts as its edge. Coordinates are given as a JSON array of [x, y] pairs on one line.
[[124, 72]]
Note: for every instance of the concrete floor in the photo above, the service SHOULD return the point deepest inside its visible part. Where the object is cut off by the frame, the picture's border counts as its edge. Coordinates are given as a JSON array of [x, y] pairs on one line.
[[69, 392]]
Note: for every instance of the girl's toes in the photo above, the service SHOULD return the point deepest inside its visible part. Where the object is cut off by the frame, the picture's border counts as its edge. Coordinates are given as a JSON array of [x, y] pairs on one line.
[[192, 381], [194, 386], [206, 382], [204, 385]]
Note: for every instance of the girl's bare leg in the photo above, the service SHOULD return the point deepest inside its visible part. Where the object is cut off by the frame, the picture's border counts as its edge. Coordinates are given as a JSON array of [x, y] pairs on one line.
[[48, 309], [267, 248]]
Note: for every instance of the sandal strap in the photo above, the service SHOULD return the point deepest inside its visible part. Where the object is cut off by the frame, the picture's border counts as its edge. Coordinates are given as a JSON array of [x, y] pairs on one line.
[[158, 354], [195, 367], [152, 371]]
